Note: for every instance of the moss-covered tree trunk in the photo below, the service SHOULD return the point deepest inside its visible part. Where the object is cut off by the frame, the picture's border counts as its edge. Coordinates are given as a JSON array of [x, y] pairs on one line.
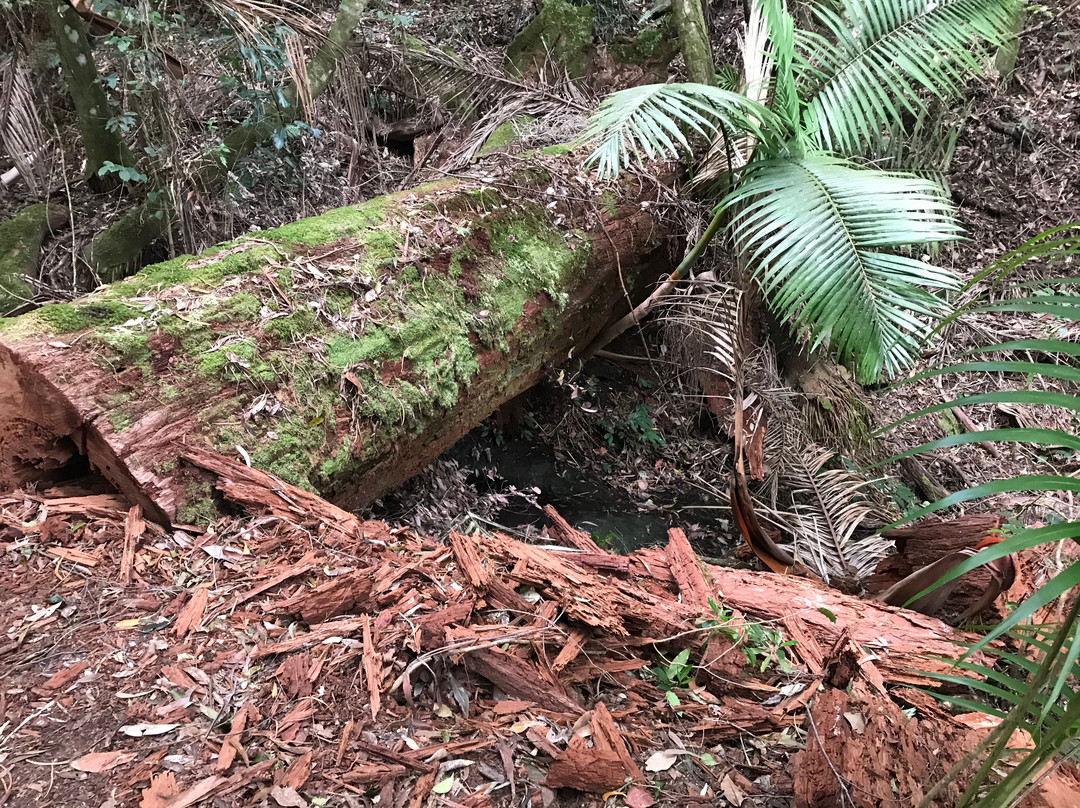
[[343, 353], [87, 94], [20, 244]]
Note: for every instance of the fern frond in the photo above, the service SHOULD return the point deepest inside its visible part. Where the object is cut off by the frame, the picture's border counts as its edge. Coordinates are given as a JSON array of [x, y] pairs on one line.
[[820, 233], [653, 122], [875, 63]]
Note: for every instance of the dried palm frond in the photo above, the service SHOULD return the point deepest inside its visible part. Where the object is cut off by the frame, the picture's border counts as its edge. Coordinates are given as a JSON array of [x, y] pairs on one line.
[[471, 87], [830, 505], [294, 49], [251, 15], [22, 137]]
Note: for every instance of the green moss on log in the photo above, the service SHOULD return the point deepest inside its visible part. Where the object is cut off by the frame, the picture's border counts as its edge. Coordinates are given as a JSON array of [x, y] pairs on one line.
[[650, 44], [20, 243], [374, 345], [504, 134], [562, 32]]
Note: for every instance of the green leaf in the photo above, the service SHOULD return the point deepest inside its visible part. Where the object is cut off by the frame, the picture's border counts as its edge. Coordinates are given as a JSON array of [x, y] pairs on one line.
[[1039, 397], [882, 57], [653, 121], [672, 699], [1035, 482], [443, 786], [820, 233]]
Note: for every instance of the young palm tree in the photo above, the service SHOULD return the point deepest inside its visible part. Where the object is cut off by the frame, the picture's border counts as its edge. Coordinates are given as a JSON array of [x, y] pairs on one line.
[[831, 242]]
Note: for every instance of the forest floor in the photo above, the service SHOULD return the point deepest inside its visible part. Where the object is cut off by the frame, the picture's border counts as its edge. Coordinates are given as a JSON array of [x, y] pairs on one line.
[[125, 650]]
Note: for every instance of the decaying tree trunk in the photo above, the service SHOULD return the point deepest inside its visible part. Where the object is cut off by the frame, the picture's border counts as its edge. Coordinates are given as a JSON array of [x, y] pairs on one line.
[[343, 353]]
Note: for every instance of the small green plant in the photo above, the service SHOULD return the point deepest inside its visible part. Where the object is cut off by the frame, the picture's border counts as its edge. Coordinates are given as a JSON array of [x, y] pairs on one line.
[[761, 646], [678, 673], [607, 539], [637, 428]]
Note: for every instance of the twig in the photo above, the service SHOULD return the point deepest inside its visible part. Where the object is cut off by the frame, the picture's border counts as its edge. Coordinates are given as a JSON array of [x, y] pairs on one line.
[[969, 425]]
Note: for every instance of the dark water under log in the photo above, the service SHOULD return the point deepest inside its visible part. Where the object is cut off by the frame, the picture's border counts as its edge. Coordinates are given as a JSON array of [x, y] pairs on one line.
[[589, 503]]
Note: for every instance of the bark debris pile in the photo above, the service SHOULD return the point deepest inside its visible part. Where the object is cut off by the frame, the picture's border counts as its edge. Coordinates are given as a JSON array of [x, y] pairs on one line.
[[293, 654]]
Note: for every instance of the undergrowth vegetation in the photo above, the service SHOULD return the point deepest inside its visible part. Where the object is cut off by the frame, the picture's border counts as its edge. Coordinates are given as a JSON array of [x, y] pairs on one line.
[[1031, 683]]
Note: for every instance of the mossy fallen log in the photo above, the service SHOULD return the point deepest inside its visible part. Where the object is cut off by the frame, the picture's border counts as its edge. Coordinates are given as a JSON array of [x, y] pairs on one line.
[[20, 243], [342, 353]]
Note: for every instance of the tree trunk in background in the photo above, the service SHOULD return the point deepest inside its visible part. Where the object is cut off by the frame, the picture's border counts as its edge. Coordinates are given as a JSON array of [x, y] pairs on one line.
[[694, 41], [342, 353], [117, 248], [91, 104]]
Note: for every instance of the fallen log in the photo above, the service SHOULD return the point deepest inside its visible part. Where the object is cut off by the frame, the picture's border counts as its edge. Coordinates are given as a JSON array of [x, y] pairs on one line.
[[342, 353]]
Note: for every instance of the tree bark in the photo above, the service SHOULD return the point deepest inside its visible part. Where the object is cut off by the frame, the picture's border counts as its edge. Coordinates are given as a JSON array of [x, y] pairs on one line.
[[342, 353], [694, 41], [91, 105], [20, 244]]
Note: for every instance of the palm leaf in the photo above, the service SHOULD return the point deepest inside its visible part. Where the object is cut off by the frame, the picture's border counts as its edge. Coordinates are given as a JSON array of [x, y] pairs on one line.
[[766, 38], [821, 233], [830, 506], [22, 137], [468, 87], [655, 121], [876, 61]]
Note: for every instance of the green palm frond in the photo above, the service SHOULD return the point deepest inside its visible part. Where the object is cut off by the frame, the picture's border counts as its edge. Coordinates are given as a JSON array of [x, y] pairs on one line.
[[877, 60], [655, 122], [821, 233], [1036, 696]]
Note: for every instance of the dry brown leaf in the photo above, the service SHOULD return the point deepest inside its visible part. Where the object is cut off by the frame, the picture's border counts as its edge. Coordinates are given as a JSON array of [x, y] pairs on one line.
[[286, 797], [96, 762], [637, 797], [731, 791]]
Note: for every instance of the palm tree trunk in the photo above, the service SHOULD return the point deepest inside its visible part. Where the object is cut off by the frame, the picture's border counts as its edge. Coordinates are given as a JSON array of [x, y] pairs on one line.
[[694, 41]]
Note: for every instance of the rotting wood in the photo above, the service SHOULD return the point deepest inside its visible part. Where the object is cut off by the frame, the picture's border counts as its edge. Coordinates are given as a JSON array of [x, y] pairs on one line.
[[134, 527], [488, 676], [350, 404], [683, 561], [927, 542], [344, 594]]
